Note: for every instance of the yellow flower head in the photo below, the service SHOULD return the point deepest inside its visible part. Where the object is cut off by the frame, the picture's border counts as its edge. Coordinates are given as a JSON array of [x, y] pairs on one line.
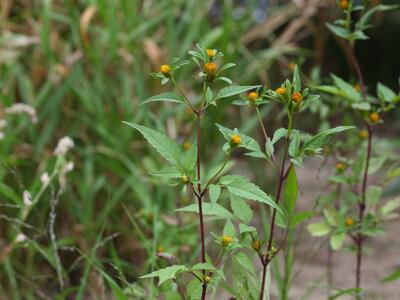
[[296, 97], [211, 52], [226, 240], [349, 221], [206, 279], [340, 167], [280, 91], [357, 87], [343, 4], [165, 69], [235, 140], [186, 145], [256, 245], [363, 134], [374, 117], [252, 96], [185, 178], [210, 68]]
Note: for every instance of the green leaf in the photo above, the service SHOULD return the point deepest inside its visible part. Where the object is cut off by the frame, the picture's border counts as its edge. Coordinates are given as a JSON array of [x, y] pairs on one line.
[[245, 262], [229, 229], [166, 273], [339, 31], [290, 191], [166, 147], [318, 229], [170, 173], [203, 266], [214, 191], [300, 217], [278, 134], [331, 215], [351, 291], [373, 194], [296, 79], [241, 209], [234, 90], [171, 295], [392, 277], [164, 97], [390, 206], [294, 143], [241, 187], [362, 23], [385, 93], [209, 210], [348, 89], [243, 228], [336, 240], [117, 292], [189, 159], [321, 138]]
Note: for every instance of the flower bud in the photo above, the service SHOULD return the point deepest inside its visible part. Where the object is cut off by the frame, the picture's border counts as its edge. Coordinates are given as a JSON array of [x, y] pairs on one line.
[[252, 96], [374, 117], [185, 179], [235, 140], [256, 245], [349, 221], [206, 279], [166, 70], [211, 52], [363, 134], [340, 167], [280, 91], [210, 69], [226, 240], [343, 4], [296, 97]]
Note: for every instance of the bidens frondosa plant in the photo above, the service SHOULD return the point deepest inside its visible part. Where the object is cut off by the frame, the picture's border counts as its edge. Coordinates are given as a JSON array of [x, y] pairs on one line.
[[238, 242], [354, 209]]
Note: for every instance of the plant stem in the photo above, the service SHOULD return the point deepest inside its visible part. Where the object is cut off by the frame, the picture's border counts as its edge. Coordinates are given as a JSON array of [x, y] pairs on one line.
[[360, 236], [282, 178], [199, 200]]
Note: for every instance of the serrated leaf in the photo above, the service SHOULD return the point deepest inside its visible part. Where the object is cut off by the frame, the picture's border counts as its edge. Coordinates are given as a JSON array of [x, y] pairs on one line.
[[300, 217], [214, 191], [209, 210], [189, 158], [164, 97], [163, 145], [203, 266], [245, 262], [234, 90], [242, 187], [243, 228], [241, 209], [166, 273], [318, 229]]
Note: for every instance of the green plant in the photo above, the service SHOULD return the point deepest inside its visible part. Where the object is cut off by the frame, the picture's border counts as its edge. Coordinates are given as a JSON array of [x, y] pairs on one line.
[[361, 211], [185, 169]]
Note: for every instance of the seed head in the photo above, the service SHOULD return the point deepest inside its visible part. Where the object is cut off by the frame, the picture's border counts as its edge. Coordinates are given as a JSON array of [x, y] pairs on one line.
[[256, 245], [211, 52], [185, 179], [374, 117], [343, 4], [252, 96], [296, 97], [235, 140], [206, 279], [226, 240], [166, 70], [349, 221], [210, 69], [280, 91], [363, 134], [340, 167]]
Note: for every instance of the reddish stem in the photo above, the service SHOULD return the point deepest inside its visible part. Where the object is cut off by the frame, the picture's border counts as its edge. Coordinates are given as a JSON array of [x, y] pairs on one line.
[[199, 195]]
